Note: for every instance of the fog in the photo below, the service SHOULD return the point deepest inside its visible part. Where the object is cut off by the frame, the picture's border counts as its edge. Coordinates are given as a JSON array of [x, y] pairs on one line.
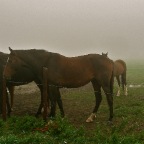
[[74, 27]]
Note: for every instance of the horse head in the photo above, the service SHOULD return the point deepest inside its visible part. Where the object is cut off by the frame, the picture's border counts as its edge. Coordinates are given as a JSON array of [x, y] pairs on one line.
[[13, 65]]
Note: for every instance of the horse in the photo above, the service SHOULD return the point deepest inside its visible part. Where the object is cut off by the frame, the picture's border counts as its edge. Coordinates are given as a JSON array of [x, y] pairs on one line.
[[22, 77], [120, 69], [69, 72], [3, 59]]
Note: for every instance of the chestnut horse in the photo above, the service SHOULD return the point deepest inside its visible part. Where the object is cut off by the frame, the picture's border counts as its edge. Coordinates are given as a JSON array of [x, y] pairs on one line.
[[25, 76], [120, 69], [69, 72]]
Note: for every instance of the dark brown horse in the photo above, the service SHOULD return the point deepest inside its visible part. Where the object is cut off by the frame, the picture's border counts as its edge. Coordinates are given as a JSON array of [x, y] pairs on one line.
[[3, 59], [25, 76], [119, 71], [70, 72]]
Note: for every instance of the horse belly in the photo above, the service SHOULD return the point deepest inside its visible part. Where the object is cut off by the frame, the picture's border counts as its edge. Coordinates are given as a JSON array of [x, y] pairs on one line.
[[71, 79]]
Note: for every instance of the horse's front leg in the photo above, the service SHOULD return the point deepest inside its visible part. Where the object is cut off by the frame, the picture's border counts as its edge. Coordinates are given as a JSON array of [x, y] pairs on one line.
[[53, 92], [118, 91], [39, 111], [98, 96], [51, 99], [53, 108], [125, 90], [118, 81]]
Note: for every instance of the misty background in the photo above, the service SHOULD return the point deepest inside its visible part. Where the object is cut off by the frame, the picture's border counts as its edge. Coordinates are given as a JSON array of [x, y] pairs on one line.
[[74, 27]]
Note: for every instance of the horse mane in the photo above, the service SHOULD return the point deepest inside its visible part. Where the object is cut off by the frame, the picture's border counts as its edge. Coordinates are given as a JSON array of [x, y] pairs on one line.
[[31, 54], [36, 56], [41, 52]]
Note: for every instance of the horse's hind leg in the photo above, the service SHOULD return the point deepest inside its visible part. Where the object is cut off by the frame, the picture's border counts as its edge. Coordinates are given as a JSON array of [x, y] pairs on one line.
[[109, 96], [118, 80], [98, 96], [124, 83], [41, 102], [55, 96], [125, 90], [60, 104]]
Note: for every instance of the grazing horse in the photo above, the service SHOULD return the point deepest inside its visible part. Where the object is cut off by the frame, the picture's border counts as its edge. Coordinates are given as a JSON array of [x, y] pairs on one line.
[[119, 70], [25, 76], [69, 72]]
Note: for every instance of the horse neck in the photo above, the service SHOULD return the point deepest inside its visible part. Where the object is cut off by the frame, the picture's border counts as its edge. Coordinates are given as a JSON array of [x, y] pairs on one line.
[[36, 61]]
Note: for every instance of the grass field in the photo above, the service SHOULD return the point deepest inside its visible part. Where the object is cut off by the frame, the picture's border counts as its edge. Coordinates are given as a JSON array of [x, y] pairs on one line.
[[127, 127]]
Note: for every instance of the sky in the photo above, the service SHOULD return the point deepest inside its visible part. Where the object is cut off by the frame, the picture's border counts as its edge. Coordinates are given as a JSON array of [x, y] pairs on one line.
[[74, 27]]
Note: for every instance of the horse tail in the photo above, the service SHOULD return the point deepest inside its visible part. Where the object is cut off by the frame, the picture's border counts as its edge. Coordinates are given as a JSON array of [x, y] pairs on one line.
[[123, 76], [112, 79]]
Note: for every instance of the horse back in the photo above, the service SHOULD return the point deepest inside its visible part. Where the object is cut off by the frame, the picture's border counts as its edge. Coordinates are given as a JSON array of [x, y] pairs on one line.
[[82, 64], [70, 69], [119, 67], [80, 70]]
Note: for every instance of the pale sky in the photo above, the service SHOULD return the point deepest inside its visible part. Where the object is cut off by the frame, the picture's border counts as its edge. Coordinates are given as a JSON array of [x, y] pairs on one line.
[[74, 27]]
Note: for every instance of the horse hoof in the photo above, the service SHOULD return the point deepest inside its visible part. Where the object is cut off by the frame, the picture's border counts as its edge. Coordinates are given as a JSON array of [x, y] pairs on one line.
[[91, 118]]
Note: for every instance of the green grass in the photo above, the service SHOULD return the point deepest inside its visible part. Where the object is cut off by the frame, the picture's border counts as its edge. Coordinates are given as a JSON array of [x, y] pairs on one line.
[[127, 127], [135, 72], [61, 131]]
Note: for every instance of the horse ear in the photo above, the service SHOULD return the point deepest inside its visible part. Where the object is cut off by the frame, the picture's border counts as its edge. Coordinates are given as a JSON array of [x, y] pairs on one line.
[[12, 52], [107, 53], [10, 49]]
